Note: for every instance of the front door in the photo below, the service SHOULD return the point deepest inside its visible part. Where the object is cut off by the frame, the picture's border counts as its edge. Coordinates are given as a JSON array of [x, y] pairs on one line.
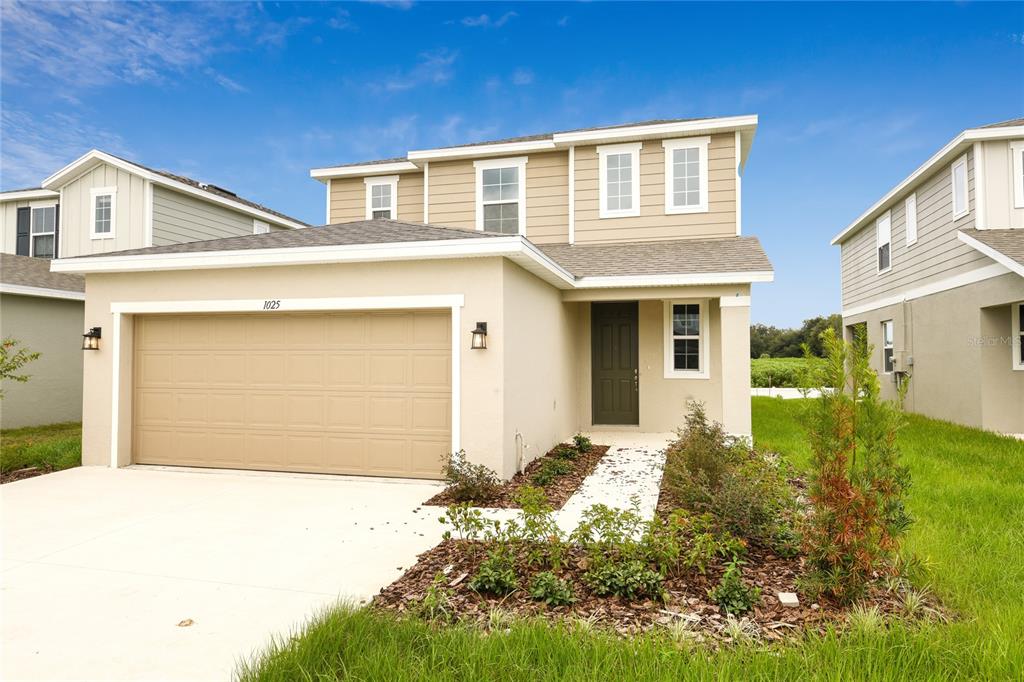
[[615, 363]]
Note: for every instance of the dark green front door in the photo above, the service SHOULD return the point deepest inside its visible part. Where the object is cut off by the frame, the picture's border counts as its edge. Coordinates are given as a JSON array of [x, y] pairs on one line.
[[614, 363]]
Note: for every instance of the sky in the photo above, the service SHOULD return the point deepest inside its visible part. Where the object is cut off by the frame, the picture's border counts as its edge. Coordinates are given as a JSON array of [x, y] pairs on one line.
[[251, 96]]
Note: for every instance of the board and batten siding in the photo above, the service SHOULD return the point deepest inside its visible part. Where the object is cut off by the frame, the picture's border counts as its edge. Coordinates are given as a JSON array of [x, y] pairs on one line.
[[998, 176], [936, 255], [180, 218], [76, 212], [9, 220]]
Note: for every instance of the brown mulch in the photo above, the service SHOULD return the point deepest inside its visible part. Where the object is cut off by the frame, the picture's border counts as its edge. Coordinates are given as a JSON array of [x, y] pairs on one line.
[[558, 491], [19, 474], [687, 596]]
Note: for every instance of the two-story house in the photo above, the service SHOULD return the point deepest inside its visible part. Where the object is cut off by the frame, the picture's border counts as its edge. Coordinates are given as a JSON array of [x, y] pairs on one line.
[[934, 273], [491, 297], [97, 204]]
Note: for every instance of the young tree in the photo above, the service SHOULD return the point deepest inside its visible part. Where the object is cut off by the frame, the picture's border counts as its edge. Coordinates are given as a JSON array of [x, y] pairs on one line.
[[12, 359]]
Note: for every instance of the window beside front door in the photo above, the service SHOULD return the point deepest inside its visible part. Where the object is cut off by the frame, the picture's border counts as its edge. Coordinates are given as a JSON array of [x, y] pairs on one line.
[[887, 346], [382, 198], [501, 195], [686, 355]]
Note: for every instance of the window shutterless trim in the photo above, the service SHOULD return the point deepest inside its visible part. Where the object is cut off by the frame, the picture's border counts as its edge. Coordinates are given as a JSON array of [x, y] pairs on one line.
[[632, 148], [888, 347], [910, 218], [32, 234], [100, 192], [1017, 169], [701, 145], [884, 219], [702, 338], [961, 162], [391, 181], [480, 166]]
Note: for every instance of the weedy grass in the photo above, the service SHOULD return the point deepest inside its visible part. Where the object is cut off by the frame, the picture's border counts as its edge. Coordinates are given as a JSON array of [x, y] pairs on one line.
[[51, 447]]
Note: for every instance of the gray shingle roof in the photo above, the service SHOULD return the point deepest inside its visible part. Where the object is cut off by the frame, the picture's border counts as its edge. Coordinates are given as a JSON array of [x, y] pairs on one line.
[[1008, 242], [341, 234], [1005, 124], [675, 257], [35, 272]]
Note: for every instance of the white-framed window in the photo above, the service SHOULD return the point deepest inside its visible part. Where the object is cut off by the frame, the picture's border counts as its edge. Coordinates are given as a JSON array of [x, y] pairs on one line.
[[959, 183], [43, 231], [910, 218], [260, 227], [686, 175], [1017, 335], [686, 339], [104, 212], [1017, 151], [619, 180], [883, 242], [382, 197], [501, 195], [887, 346]]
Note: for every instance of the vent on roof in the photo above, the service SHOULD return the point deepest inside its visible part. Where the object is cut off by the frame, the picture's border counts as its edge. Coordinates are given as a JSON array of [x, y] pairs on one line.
[[215, 188]]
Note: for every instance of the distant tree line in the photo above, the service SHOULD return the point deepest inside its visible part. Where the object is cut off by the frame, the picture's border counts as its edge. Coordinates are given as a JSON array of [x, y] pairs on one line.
[[766, 340]]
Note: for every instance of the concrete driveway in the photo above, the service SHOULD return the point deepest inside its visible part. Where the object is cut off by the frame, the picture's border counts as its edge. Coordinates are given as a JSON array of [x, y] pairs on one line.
[[99, 566]]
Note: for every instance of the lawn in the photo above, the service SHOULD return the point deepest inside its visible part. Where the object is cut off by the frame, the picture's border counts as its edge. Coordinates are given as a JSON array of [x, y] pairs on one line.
[[779, 372], [967, 498], [48, 448]]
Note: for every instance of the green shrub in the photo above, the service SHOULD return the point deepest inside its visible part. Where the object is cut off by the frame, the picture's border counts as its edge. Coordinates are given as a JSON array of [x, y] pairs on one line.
[[582, 443], [552, 590], [632, 579], [541, 533], [733, 595], [469, 482], [565, 451], [495, 575], [549, 470]]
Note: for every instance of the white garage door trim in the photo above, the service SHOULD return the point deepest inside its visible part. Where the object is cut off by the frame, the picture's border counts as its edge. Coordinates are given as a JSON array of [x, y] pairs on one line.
[[118, 309]]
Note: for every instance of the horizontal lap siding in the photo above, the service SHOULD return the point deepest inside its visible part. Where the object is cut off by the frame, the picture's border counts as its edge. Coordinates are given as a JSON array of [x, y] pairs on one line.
[[76, 213], [547, 198], [410, 197], [348, 198], [180, 218], [453, 194], [936, 255]]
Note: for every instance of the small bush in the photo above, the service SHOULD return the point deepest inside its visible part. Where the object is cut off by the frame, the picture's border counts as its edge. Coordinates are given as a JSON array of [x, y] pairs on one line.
[[582, 443], [565, 451], [469, 482], [631, 580], [731, 594], [552, 590], [496, 575], [549, 470]]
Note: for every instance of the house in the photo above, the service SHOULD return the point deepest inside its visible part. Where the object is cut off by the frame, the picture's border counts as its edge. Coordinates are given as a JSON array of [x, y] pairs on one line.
[[490, 297], [98, 204], [934, 272]]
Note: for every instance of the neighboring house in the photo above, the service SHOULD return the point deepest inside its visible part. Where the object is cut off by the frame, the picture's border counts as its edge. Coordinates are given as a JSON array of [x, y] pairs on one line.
[[97, 204], [935, 273], [493, 297]]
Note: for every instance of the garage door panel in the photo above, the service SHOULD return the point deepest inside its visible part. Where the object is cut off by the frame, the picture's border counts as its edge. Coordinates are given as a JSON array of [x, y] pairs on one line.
[[347, 393]]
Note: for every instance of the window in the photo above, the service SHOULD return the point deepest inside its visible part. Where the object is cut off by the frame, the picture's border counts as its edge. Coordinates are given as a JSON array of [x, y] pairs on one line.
[[501, 197], [686, 339], [1017, 151], [44, 231], [883, 241], [686, 175], [887, 346], [382, 198], [1017, 335], [959, 181], [910, 218], [260, 227], [619, 187], [104, 212]]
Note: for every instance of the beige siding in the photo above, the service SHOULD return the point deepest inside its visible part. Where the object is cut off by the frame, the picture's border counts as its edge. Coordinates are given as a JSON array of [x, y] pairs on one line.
[[410, 197], [348, 198], [547, 198], [653, 223], [936, 255], [180, 218], [998, 191], [76, 213], [453, 193]]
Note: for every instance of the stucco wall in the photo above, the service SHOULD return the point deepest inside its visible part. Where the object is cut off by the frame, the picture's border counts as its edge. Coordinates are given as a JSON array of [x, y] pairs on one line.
[[53, 327]]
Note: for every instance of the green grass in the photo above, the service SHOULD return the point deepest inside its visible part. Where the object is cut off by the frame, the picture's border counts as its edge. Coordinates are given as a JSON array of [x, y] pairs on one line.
[[968, 499], [52, 447], [779, 372]]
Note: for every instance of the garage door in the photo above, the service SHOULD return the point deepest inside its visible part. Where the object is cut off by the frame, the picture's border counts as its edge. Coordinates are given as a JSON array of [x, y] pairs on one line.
[[344, 393]]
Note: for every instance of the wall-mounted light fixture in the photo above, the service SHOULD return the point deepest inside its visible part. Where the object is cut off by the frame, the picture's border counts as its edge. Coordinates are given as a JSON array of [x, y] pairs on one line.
[[91, 339], [479, 336]]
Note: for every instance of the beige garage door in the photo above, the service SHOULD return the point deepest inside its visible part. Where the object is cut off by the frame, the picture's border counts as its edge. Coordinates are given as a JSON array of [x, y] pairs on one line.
[[345, 393]]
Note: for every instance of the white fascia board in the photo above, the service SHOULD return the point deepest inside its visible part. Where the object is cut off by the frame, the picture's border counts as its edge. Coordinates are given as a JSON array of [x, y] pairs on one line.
[[25, 194], [952, 149], [364, 170], [997, 256], [41, 292], [746, 277], [680, 128], [71, 170], [481, 150]]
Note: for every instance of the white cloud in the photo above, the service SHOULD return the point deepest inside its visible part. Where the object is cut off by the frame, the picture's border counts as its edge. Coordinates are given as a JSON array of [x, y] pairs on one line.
[[522, 76], [434, 68], [393, 4], [225, 82], [35, 146], [341, 20], [485, 21]]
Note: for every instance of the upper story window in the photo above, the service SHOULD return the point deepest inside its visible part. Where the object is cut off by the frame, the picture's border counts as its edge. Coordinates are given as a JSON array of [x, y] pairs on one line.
[[382, 198], [1017, 151], [887, 346], [104, 212], [686, 175], [883, 241], [44, 232], [910, 218], [619, 168], [501, 195], [686, 327], [959, 182]]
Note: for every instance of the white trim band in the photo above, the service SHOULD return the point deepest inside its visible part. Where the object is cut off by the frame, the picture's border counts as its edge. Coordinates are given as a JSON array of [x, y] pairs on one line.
[[41, 292]]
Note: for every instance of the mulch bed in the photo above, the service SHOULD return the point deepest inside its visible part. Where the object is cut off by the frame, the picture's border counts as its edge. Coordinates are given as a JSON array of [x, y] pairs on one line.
[[558, 491], [19, 474]]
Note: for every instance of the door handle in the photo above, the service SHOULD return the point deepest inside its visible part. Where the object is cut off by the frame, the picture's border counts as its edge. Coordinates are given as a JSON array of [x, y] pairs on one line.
[[636, 380]]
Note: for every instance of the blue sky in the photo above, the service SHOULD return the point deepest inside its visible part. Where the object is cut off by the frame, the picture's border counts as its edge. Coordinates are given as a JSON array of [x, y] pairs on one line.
[[851, 97]]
